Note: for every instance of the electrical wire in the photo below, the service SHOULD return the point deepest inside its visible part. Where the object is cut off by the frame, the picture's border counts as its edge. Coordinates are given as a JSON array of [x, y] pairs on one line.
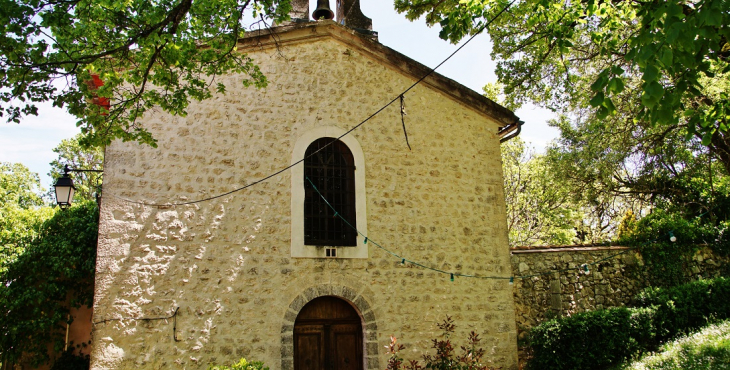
[[397, 98], [173, 317]]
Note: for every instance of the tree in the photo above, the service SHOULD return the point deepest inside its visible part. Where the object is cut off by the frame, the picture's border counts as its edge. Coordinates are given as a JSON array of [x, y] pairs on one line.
[[652, 166], [539, 208], [545, 207], [19, 187], [76, 156], [650, 63], [108, 61], [21, 211], [17, 227], [47, 263], [54, 272]]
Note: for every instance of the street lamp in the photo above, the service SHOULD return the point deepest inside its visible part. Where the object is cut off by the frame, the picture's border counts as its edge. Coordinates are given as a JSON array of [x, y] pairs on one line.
[[64, 187]]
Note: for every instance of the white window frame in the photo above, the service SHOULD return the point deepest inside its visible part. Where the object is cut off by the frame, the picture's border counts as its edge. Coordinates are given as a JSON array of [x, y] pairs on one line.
[[298, 248]]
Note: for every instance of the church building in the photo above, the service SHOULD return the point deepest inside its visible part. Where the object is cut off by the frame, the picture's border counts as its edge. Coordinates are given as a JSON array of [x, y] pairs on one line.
[[279, 225]]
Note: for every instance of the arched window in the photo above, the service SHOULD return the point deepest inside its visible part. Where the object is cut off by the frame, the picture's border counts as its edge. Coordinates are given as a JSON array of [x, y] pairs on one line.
[[338, 172], [330, 166]]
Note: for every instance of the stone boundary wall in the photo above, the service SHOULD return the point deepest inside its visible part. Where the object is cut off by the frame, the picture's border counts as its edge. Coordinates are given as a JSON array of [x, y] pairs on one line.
[[557, 285]]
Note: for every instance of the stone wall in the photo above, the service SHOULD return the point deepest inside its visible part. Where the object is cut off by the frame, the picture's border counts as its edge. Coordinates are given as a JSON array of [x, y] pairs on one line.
[[615, 275], [226, 263]]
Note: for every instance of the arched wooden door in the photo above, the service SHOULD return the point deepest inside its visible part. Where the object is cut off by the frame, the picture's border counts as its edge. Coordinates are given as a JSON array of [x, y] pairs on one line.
[[328, 336]]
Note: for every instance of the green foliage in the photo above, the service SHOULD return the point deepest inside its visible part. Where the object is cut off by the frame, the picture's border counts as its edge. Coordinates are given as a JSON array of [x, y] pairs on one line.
[[618, 165], [493, 91], [54, 272], [665, 260], [645, 61], [21, 214], [686, 307], [707, 349], [446, 357], [601, 338], [19, 187], [146, 53], [627, 225], [18, 228], [70, 361], [721, 246], [76, 156], [242, 364], [545, 207], [539, 207], [590, 340]]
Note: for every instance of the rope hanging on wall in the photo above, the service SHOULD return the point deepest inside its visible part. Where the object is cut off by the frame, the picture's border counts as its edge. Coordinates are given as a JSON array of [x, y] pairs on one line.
[[403, 118]]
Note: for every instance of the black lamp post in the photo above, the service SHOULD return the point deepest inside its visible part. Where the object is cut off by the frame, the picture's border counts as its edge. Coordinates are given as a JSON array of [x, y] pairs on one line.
[[65, 188]]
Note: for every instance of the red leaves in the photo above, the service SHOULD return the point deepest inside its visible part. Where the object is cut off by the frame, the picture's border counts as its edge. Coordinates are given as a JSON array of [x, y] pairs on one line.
[[445, 358], [94, 84]]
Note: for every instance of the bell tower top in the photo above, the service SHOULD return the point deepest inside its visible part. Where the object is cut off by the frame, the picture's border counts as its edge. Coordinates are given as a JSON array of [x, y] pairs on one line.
[[348, 13]]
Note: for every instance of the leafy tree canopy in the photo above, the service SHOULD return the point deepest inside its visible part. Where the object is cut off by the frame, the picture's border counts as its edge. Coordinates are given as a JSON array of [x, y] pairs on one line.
[[17, 227], [546, 206], [641, 89], [109, 61], [21, 214], [539, 207], [19, 187], [650, 63]]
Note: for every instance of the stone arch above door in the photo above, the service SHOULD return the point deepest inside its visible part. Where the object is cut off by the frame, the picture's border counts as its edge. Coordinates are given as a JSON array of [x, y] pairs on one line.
[[360, 303]]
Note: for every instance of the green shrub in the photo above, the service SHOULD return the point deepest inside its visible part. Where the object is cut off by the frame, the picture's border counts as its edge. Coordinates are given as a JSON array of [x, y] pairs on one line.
[[445, 357], [686, 307], [665, 260], [70, 361], [242, 364], [54, 273], [591, 340], [601, 338]]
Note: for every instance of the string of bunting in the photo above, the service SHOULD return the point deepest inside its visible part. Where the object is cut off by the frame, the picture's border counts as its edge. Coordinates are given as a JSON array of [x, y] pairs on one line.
[[452, 275]]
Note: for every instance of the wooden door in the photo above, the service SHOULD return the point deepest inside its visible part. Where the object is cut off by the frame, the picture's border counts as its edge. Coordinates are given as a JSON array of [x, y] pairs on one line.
[[309, 347], [328, 336]]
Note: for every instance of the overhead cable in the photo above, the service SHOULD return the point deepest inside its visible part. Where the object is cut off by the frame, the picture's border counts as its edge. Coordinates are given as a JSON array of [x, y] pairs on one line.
[[397, 98]]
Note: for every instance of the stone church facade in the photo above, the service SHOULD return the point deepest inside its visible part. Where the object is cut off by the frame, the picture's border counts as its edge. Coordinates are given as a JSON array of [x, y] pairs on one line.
[[185, 286]]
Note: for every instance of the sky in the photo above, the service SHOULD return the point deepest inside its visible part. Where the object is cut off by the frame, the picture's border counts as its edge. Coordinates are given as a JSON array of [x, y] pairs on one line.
[[32, 141]]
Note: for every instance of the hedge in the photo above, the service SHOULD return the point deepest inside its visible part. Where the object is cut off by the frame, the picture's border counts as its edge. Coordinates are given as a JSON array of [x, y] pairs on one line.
[[601, 338], [687, 307]]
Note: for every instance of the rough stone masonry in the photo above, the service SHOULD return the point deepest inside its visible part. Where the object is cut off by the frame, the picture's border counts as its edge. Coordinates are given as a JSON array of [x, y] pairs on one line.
[[227, 262]]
